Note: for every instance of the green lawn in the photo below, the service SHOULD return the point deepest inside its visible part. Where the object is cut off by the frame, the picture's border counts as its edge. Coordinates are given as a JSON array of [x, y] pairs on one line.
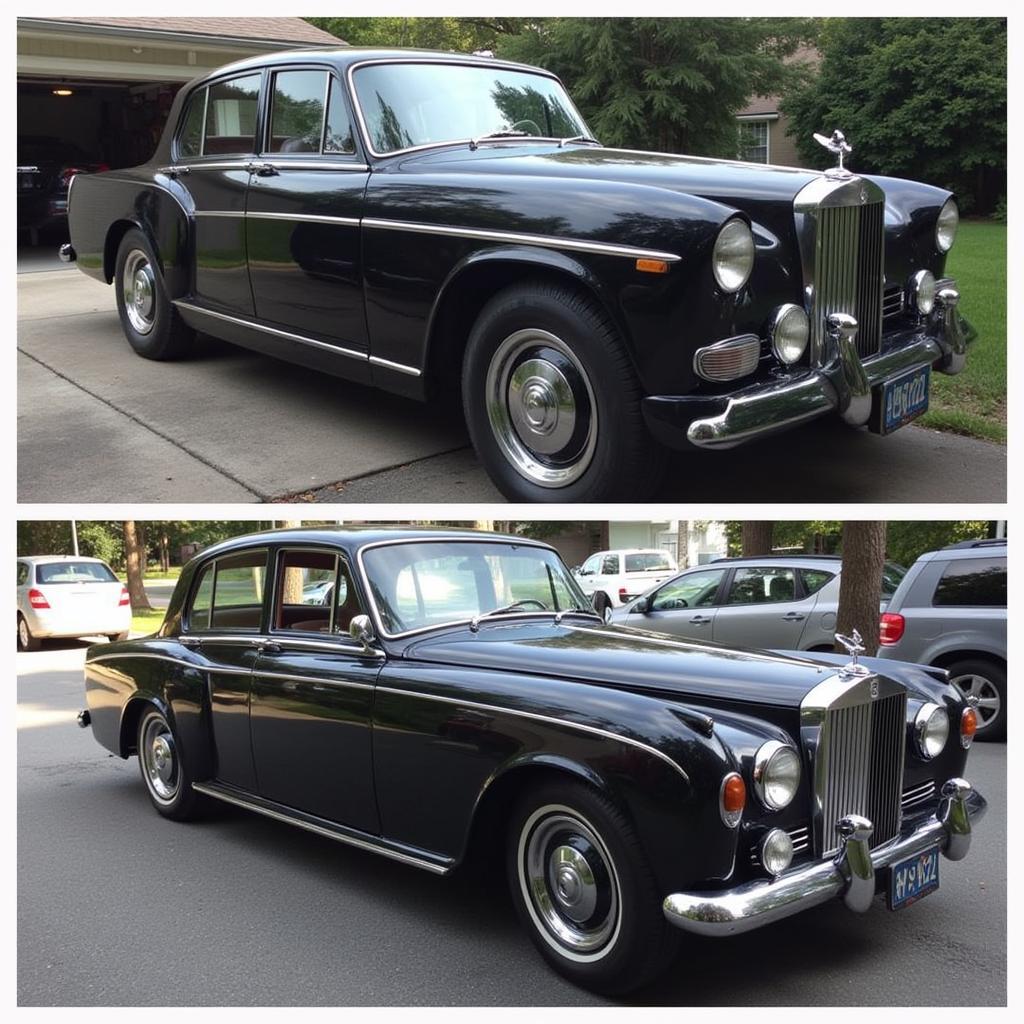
[[974, 402], [147, 622], [172, 574]]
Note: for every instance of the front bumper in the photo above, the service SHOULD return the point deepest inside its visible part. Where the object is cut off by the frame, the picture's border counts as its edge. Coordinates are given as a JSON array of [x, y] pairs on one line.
[[850, 874], [843, 385]]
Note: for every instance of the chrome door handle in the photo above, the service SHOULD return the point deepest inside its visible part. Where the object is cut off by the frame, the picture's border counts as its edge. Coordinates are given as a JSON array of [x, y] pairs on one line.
[[189, 641], [793, 617], [700, 620], [263, 170], [268, 647]]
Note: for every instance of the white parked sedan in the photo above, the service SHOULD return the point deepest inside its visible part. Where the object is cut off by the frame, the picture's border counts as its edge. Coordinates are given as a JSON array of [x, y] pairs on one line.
[[61, 596]]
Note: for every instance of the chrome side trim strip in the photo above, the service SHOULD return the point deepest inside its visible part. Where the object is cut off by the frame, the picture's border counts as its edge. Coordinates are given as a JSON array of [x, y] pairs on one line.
[[398, 367], [365, 844], [317, 218], [564, 723], [220, 213], [312, 165], [219, 670], [321, 680], [522, 238]]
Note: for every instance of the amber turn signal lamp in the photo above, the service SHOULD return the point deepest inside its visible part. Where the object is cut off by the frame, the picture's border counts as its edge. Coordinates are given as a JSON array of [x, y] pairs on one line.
[[968, 726], [733, 799], [652, 266]]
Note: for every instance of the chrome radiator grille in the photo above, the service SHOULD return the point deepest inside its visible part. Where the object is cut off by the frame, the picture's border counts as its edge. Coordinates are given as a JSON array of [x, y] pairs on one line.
[[862, 746], [849, 271]]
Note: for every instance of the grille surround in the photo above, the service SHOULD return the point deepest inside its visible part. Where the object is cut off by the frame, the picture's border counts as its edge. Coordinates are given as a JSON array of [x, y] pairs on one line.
[[840, 225], [856, 744]]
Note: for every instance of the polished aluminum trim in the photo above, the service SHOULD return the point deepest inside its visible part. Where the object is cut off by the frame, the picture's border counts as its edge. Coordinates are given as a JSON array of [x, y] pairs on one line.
[[389, 364], [918, 794], [562, 722], [341, 646], [282, 164], [365, 844], [220, 670], [316, 680], [750, 350], [522, 238], [239, 164], [317, 218]]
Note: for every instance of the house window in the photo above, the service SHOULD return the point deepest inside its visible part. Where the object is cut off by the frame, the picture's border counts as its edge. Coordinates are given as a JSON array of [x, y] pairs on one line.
[[754, 141]]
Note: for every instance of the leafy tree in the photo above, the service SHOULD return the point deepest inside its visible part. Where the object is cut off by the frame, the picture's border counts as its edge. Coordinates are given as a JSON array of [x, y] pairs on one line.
[[667, 84], [920, 98], [463, 35], [908, 541]]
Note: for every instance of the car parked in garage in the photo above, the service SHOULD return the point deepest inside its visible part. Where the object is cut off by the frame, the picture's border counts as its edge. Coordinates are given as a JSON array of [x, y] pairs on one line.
[[61, 596], [613, 578], [466, 702], [781, 602], [446, 227], [950, 611]]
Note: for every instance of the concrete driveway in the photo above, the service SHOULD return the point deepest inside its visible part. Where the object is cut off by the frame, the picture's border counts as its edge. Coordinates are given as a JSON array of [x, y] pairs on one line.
[[97, 423]]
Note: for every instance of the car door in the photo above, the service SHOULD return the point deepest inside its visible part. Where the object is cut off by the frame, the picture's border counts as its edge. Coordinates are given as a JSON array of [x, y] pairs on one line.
[[312, 695], [763, 608], [213, 152], [303, 214], [685, 606]]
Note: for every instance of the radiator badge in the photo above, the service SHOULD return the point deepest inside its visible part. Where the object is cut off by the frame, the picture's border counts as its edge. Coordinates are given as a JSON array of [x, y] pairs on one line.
[[854, 645], [836, 144]]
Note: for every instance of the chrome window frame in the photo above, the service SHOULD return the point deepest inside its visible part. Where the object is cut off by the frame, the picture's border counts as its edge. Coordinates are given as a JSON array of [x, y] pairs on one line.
[[232, 631]]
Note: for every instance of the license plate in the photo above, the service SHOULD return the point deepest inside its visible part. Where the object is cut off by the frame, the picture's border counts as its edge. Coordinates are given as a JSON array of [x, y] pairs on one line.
[[898, 401], [913, 878]]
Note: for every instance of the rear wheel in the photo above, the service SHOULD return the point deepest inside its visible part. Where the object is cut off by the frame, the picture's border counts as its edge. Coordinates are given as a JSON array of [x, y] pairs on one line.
[[26, 640], [164, 772], [584, 891], [986, 681], [153, 327]]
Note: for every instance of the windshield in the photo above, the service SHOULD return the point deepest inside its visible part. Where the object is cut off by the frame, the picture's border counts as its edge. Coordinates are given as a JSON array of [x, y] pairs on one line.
[[407, 105], [436, 583]]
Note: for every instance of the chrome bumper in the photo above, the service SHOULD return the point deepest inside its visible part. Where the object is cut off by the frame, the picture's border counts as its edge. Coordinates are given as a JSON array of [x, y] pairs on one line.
[[843, 384], [850, 874]]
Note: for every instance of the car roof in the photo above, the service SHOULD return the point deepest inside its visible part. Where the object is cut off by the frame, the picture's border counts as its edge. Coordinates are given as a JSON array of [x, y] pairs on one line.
[[42, 559], [758, 559], [631, 551], [964, 550]]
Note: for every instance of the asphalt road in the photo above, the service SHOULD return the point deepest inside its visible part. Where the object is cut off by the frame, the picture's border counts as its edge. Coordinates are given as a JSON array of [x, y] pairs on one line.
[[97, 423], [118, 906]]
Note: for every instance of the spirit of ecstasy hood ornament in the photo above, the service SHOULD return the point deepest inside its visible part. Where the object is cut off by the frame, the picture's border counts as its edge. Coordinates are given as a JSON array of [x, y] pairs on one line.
[[854, 645], [836, 144]]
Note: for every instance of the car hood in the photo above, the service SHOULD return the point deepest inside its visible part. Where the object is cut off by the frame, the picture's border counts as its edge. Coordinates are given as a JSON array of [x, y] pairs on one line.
[[629, 659]]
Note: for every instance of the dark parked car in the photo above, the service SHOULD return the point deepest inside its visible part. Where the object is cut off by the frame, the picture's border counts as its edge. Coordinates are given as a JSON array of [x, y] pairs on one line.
[[445, 227], [463, 699], [45, 168]]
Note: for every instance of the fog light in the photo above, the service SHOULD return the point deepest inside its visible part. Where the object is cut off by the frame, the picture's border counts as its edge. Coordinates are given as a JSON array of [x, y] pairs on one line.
[[729, 359], [968, 727], [921, 292], [788, 332], [776, 852]]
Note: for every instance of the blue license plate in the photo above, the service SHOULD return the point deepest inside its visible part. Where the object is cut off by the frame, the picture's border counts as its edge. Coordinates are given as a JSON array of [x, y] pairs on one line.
[[903, 399], [913, 878]]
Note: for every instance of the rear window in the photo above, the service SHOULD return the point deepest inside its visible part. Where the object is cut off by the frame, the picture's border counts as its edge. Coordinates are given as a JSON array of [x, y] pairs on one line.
[[229, 593], [892, 577], [74, 572], [647, 560], [231, 116], [972, 583]]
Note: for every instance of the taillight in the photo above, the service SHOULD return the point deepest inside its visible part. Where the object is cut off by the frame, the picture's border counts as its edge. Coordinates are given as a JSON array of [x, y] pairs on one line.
[[125, 599], [890, 628], [68, 173], [623, 595], [37, 599], [732, 799], [968, 727]]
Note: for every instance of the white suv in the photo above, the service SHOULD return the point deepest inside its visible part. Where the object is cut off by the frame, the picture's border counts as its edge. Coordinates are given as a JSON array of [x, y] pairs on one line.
[[612, 578]]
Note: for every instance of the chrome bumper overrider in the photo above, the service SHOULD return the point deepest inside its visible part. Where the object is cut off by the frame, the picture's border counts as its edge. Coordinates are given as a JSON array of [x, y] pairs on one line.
[[850, 874], [843, 384]]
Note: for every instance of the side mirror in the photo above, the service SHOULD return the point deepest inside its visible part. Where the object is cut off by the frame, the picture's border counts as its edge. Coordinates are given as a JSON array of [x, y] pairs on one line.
[[642, 607], [361, 630]]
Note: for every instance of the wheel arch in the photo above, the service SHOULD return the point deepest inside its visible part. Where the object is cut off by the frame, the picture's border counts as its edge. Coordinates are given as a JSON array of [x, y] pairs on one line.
[[948, 658], [132, 714]]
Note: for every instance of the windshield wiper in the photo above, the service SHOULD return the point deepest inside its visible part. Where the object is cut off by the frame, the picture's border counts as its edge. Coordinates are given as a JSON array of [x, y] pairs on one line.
[[562, 143], [508, 133], [474, 623], [579, 611]]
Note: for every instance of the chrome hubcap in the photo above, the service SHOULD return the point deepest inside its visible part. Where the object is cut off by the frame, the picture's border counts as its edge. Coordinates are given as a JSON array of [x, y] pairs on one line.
[[541, 408], [569, 881], [989, 704], [159, 759], [139, 291]]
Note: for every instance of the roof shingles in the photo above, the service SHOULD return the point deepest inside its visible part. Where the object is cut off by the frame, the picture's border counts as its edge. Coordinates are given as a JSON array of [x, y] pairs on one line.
[[284, 30]]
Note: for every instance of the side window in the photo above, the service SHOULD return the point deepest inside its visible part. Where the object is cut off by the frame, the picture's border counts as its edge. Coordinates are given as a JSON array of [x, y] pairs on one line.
[[297, 115], [972, 583], [338, 137], [762, 586], [238, 591], [610, 565], [694, 590], [814, 579], [231, 117], [202, 600], [314, 593], [22, 573], [589, 567], [190, 138], [647, 560]]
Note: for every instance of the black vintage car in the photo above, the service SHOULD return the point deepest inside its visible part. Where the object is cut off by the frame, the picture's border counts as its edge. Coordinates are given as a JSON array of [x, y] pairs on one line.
[[440, 225], [457, 697]]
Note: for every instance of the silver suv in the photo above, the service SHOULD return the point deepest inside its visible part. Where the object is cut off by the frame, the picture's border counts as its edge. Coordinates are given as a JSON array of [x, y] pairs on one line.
[[950, 611], [784, 602]]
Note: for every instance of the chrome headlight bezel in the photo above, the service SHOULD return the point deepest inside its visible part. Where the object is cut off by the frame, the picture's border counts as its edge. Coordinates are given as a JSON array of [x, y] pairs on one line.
[[766, 762], [946, 225], [732, 258], [788, 312], [931, 730]]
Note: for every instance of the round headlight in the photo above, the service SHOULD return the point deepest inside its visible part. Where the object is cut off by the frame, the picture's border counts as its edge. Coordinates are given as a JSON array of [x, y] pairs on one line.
[[921, 291], [946, 225], [788, 332], [931, 729], [776, 852], [733, 257], [776, 774]]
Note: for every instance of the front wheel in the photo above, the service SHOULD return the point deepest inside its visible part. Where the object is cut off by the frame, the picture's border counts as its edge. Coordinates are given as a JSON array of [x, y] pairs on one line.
[[583, 889], [552, 401]]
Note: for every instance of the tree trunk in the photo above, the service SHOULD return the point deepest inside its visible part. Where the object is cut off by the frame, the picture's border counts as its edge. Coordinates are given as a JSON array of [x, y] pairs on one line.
[[860, 586], [683, 543], [135, 560], [757, 537], [291, 590]]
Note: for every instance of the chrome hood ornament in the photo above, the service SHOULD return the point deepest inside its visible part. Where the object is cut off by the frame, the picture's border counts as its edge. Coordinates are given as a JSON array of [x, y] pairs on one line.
[[836, 144], [854, 645]]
